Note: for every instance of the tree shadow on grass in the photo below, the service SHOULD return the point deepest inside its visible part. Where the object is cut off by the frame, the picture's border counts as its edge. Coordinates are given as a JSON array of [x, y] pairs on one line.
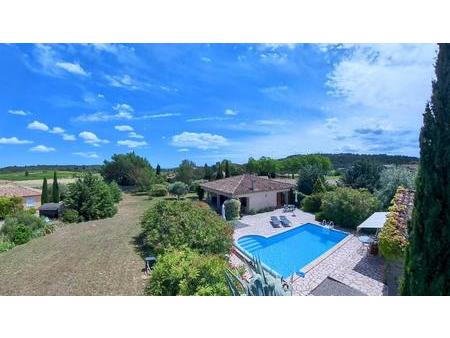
[[141, 247]]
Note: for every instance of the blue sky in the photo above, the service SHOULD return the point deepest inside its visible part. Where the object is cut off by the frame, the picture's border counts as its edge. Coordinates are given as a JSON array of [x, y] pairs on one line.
[[80, 103]]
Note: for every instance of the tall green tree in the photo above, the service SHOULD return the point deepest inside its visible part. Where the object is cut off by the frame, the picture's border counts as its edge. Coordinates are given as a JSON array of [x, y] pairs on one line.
[[219, 173], [227, 168], [185, 172], [427, 266], [363, 174], [158, 169], [128, 170], [55, 189], [44, 193], [206, 172]]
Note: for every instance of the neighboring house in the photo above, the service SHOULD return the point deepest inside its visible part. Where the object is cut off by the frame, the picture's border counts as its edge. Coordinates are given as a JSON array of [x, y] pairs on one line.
[[31, 197], [254, 192]]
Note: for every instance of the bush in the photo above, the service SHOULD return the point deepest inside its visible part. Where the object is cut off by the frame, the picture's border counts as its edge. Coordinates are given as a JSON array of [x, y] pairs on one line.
[[21, 227], [266, 209], [200, 193], [9, 206], [348, 207], [158, 190], [232, 209], [21, 234], [178, 224], [390, 180], [116, 193], [312, 203], [91, 197], [178, 189], [70, 216], [5, 246], [188, 273], [252, 212]]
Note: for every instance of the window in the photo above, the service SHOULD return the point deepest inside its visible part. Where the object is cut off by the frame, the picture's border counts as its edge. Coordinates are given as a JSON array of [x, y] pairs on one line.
[[29, 202]]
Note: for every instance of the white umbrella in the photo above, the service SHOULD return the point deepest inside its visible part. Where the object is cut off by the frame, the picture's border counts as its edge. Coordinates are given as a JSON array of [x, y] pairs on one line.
[[223, 211]]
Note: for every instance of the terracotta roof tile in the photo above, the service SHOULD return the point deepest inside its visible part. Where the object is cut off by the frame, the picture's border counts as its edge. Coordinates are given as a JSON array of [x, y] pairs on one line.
[[10, 190], [246, 184]]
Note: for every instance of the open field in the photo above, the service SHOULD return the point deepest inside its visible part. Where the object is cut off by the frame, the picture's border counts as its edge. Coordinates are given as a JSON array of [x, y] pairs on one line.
[[36, 175], [37, 184], [90, 258]]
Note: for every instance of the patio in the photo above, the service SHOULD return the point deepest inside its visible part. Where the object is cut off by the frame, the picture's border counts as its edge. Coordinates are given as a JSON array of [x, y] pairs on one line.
[[346, 265]]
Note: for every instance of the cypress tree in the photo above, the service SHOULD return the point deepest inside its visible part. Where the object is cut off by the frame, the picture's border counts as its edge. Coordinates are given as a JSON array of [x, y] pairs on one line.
[[427, 266], [44, 193], [219, 174], [227, 168], [158, 169], [207, 172], [55, 189]]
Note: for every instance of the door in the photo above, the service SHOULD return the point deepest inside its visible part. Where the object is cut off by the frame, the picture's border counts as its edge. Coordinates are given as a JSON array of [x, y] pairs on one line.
[[280, 199]]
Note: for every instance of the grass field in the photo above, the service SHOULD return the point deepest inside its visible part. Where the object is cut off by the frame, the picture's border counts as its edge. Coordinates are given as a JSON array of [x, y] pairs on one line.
[[91, 258], [36, 175]]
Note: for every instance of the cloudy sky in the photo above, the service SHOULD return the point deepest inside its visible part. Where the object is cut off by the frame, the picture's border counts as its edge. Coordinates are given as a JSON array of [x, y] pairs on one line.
[[79, 104]]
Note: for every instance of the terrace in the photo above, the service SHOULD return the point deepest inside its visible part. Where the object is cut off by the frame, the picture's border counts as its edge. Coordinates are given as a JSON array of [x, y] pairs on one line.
[[344, 269]]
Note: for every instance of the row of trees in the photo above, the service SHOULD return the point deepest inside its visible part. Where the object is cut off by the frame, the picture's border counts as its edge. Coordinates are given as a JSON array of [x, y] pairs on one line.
[[54, 194]]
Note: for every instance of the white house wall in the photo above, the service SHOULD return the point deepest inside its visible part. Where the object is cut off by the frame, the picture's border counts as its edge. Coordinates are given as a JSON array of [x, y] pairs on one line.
[[260, 200]]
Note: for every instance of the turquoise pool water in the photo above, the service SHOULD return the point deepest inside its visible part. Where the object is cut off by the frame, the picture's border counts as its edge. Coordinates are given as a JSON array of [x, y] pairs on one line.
[[288, 252]]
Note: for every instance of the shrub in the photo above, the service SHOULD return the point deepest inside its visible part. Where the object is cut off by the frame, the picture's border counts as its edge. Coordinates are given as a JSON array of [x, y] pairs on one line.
[[348, 207], [363, 174], [158, 190], [21, 234], [312, 203], [178, 189], [187, 273], [266, 209], [200, 193], [9, 206], [252, 212], [116, 193], [390, 180], [181, 223], [91, 197], [5, 246], [70, 216], [232, 209]]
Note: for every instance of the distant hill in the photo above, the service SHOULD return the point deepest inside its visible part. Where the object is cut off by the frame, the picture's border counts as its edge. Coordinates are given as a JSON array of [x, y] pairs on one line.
[[345, 160], [77, 168]]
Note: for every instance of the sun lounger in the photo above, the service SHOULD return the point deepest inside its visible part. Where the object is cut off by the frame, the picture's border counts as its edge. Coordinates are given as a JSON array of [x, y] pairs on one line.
[[284, 221], [275, 221]]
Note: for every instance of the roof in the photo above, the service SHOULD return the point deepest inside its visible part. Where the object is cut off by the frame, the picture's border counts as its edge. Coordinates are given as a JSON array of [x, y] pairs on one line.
[[245, 184], [50, 206], [10, 190], [375, 221]]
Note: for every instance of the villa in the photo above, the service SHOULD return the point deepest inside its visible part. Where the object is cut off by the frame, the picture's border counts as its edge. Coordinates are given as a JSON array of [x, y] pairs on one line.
[[254, 192], [31, 197]]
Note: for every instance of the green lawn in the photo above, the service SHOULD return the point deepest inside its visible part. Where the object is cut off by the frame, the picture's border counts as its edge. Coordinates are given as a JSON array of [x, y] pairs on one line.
[[35, 175]]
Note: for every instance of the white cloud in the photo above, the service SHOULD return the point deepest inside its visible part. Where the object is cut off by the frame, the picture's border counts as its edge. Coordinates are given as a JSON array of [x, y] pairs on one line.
[[157, 116], [124, 81], [135, 135], [205, 59], [271, 122], [73, 68], [90, 138], [331, 123], [276, 46], [42, 149], [131, 143], [68, 137], [18, 112], [274, 58], [124, 128], [208, 118], [88, 154], [13, 140], [123, 112], [57, 130], [202, 141], [183, 150], [230, 112], [36, 125]]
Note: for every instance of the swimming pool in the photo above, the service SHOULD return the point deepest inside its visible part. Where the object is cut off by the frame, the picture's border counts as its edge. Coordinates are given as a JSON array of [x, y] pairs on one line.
[[290, 251]]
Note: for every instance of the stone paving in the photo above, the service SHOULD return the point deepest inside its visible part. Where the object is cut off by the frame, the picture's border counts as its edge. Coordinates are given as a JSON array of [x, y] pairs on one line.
[[349, 264]]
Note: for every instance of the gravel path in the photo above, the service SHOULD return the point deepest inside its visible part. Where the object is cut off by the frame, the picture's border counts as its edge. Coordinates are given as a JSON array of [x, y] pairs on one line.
[[90, 258]]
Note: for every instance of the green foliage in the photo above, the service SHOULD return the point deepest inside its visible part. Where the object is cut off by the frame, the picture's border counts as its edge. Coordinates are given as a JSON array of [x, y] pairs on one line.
[[232, 209], [158, 190], [200, 193], [427, 266], [307, 177], [128, 170], [21, 234], [91, 197], [44, 193], [116, 193], [181, 223], [70, 216], [178, 189], [187, 273], [5, 246], [320, 186], [207, 172], [390, 180], [265, 166], [9, 206], [363, 174], [158, 169], [55, 188], [312, 203], [260, 283], [185, 172], [392, 243], [348, 207], [227, 168], [219, 172]]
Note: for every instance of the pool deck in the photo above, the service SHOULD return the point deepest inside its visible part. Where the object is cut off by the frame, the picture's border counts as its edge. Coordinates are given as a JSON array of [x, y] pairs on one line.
[[345, 264]]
